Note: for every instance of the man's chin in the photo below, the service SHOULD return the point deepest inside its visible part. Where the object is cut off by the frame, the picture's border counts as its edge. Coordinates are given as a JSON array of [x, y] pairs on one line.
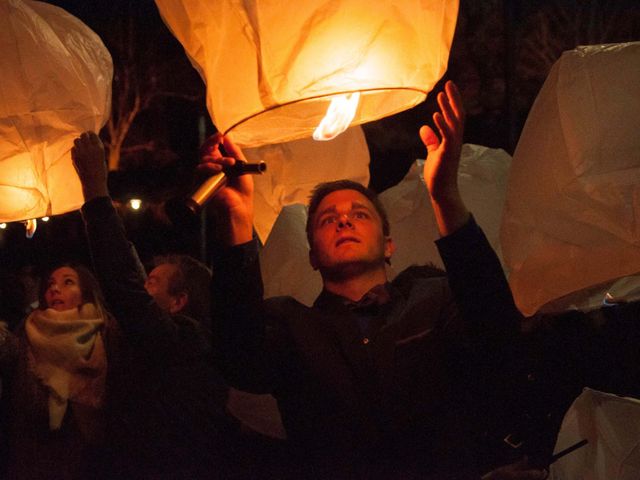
[[347, 268]]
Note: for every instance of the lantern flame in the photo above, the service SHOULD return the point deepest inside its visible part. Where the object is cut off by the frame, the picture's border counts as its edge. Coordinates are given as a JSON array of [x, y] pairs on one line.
[[30, 227], [338, 117]]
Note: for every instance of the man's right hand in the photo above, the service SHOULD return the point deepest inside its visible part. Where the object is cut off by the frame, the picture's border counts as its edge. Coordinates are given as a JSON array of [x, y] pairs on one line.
[[235, 199]]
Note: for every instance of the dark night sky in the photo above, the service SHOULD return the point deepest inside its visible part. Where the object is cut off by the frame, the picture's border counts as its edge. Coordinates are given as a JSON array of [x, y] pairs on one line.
[[486, 40]]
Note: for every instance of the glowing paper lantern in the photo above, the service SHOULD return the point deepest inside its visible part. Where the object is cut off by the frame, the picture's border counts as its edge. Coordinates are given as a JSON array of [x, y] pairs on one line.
[[55, 82], [274, 68], [573, 201]]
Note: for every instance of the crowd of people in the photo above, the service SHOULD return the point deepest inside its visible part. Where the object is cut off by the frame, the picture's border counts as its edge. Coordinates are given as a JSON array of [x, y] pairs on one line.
[[117, 373]]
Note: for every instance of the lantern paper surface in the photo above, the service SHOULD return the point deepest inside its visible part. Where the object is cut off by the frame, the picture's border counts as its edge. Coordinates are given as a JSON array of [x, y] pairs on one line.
[[611, 425], [294, 168], [273, 67], [573, 201], [55, 82], [482, 178]]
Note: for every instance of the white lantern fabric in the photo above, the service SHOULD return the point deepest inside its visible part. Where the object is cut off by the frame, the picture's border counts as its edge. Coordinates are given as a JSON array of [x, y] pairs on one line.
[[482, 178], [55, 82], [573, 201], [273, 67], [611, 426], [294, 168]]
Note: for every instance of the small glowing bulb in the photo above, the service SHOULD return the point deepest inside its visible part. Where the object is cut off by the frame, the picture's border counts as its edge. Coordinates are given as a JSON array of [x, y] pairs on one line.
[[135, 203], [45, 219], [3, 225], [338, 117]]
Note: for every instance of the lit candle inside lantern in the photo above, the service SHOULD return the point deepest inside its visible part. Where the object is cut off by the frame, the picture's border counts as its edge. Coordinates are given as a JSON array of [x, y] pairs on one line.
[[338, 117], [30, 226]]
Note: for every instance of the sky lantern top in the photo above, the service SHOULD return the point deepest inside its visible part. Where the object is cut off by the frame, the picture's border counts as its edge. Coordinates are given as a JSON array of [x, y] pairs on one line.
[[55, 82], [278, 71]]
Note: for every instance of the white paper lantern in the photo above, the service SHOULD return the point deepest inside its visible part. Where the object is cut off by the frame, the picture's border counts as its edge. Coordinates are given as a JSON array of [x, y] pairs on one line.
[[611, 426], [55, 82], [573, 203], [273, 68]]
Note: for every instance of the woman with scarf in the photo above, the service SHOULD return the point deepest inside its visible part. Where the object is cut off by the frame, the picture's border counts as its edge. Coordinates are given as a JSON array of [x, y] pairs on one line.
[[54, 369]]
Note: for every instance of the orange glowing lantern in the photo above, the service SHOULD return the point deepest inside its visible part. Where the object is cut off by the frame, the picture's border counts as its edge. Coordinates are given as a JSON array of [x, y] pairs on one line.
[[55, 82], [278, 71]]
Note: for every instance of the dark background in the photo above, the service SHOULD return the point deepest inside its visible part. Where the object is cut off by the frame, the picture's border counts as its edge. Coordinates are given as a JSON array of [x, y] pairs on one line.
[[502, 52]]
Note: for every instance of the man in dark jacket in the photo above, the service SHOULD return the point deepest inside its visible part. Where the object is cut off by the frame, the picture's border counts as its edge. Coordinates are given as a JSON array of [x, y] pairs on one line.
[[369, 379], [165, 399]]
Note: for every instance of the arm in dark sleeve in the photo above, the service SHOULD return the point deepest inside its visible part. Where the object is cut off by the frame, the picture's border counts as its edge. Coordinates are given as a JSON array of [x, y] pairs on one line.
[[122, 278], [240, 319], [479, 285]]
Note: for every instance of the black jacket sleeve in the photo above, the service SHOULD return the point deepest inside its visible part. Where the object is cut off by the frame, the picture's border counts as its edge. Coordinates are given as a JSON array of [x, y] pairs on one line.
[[240, 324], [479, 284], [122, 278]]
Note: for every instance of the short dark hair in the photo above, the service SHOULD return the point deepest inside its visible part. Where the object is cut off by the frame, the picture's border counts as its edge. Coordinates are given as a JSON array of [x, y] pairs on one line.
[[323, 189], [89, 286], [193, 278]]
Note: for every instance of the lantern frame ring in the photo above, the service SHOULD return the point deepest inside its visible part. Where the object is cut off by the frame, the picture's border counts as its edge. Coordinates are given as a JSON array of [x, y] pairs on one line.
[[327, 95]]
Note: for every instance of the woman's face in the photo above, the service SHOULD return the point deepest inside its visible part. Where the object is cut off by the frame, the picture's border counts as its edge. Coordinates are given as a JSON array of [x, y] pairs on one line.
[[63, 289]]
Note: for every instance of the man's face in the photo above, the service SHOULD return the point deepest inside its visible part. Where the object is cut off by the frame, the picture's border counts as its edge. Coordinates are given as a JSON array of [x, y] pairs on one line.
[[347, 231], [63, 289], [157, 285]]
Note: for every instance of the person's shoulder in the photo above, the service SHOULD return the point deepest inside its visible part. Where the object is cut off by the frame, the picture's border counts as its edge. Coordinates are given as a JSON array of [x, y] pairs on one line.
[[419, 275], [284, 303]]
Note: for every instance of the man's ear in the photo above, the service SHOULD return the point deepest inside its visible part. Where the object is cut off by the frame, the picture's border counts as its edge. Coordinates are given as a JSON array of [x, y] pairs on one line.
[[178, 302], [389, 249], [312, 259]]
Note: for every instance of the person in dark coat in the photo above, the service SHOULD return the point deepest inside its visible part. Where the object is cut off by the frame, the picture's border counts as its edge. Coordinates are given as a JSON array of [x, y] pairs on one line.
[[371, 379], [166, 402]]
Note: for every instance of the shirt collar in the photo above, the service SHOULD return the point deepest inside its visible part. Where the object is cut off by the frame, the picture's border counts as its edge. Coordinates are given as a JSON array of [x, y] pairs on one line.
[[378, 295]]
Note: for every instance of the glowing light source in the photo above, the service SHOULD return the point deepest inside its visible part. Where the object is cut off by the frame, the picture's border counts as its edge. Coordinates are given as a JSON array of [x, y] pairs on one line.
[[339, 116], [135, 203], [56, 83], [3, 226], [45, 219], [30, 226], [288, 68]]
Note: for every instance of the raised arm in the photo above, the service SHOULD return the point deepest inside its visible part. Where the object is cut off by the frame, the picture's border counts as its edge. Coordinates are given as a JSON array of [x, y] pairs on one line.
[[115, 260], [234, 202], [443, 158], [239, 321]]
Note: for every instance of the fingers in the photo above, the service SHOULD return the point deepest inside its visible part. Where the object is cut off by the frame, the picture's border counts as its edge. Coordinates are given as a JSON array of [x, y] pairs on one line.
[[429, 138], [213, 159], [232, 149], [452, 111], [211, 146], [455, 100]]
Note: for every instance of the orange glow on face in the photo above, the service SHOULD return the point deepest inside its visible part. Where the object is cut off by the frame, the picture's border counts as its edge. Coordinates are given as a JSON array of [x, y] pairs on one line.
[[338, 117]]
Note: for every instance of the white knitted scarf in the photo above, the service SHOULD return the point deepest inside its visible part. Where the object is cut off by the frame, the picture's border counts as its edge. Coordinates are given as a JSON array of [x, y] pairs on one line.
[[67, 354]]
